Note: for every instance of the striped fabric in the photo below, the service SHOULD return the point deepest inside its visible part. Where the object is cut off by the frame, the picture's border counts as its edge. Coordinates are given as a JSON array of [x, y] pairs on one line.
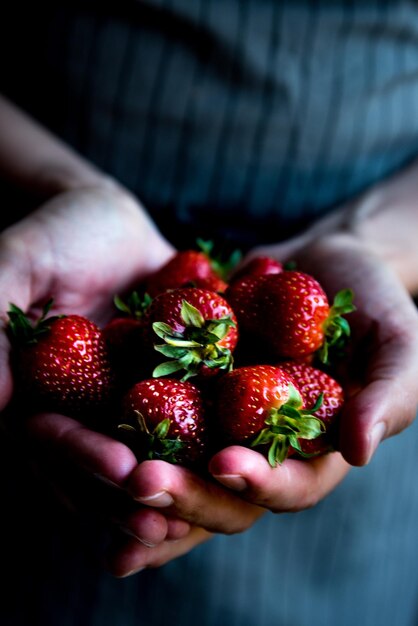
[[249, 116], [245, 120]]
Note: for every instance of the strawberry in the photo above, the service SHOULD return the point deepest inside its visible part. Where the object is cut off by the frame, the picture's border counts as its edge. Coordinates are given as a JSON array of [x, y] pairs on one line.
[[199, 331], [212, 283], [262, 406], [196, 268], [290, 313], [184, 268], [188, 268], [241, 290], [242, 295], [166, 420], [313, 384], [259, 266], [124, 336], [61, 362]]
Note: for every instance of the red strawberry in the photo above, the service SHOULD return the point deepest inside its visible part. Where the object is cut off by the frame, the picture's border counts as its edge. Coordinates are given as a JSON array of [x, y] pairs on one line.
[[167, 418], [291, 314], [184, 268], [128, 354], [124, 336], [259, 266], [241, 291], [242, 295], [313, 384], [261, 406], [62, 363], [212, 283], [199, 331], [193, 268]]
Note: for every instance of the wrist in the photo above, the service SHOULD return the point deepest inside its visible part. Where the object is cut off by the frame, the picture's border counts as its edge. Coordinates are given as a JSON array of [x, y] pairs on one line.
[[52, 180], [384, 220]]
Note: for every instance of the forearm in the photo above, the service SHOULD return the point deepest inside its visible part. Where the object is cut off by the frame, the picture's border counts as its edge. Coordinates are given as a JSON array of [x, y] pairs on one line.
[[34, 159], [385, 219]]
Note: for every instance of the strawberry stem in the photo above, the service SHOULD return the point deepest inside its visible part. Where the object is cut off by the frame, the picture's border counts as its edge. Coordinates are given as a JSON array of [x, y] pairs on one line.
[[222, 267], [22, 330], [197, 345], [155, 444], [336, 328], [134, 306], [286, 425]]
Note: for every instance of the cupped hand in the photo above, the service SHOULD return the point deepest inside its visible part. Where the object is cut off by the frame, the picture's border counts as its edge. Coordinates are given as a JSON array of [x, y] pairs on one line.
[[81, 248], [168, 509], [382, 400], [380, 374]]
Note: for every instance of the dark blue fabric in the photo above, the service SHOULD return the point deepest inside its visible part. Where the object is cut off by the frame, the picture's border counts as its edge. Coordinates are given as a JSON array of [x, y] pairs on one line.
[[243, 117]]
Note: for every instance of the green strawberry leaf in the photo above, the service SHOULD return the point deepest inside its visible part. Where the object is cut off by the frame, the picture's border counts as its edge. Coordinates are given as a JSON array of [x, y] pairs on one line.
[[286, 425], [222, 267], [191, 316], [22, 330], [295, 400], [336, 328], [162, 428], [135, 305], [171, 352], [343, 302], [197, 345], [162, 330], [310, 428], [278, 451], [167, 368]]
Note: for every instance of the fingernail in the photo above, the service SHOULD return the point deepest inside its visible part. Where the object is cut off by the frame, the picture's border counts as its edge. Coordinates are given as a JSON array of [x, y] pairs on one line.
[[128, 531], [132, 572], [376, 435], [232, 481], [106, 481], [160, 499]]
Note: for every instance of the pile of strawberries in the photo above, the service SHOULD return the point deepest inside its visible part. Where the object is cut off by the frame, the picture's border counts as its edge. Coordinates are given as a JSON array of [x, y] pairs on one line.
[[196, 363]]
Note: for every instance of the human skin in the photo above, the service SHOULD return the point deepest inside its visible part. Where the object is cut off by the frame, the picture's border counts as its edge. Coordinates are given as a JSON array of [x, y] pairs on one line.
[[90, 239]]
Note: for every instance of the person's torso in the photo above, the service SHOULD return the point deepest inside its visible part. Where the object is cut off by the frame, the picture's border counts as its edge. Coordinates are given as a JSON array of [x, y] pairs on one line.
[[252, 117]]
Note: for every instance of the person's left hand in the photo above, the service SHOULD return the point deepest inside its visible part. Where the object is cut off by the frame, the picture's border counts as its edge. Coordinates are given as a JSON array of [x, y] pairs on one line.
[[383, 402]]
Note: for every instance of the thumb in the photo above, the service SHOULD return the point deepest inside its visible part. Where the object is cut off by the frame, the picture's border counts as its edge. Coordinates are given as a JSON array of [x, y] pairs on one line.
[[387, 404]]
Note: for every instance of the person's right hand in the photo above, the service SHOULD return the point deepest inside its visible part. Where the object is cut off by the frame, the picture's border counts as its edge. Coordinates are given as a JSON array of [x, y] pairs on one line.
[[81, 248]]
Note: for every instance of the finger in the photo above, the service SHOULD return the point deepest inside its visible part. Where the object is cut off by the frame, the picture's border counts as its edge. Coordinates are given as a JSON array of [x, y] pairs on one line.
[[177, 529], [126, 556], [192, 498], [95, 452], [151, 528], [292, 486], [387, 404], [101, 501]]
